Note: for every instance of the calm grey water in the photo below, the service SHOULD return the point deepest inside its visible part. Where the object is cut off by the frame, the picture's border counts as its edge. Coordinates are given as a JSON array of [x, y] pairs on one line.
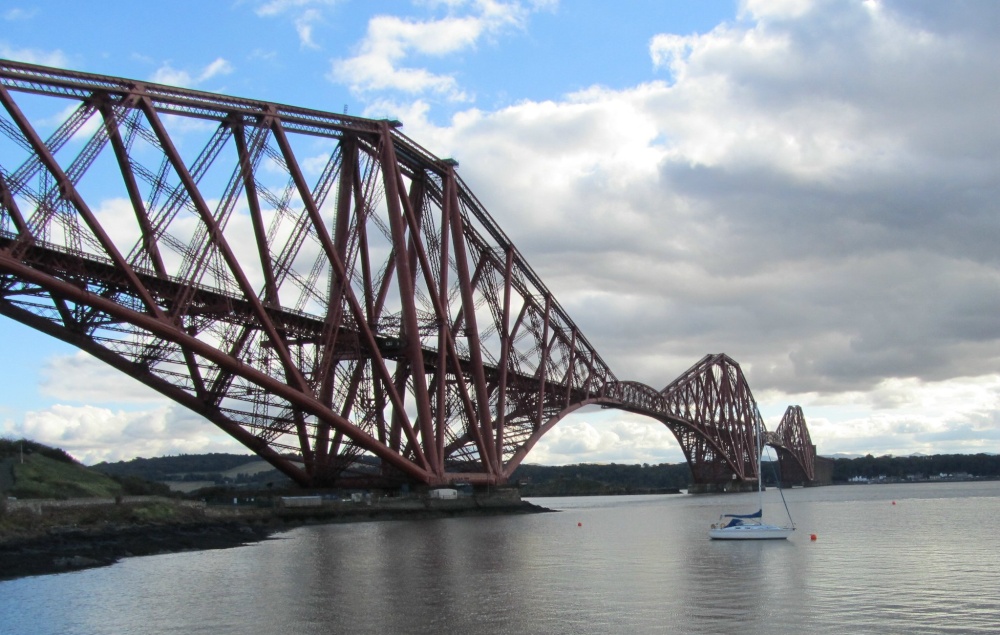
[[644, 564]]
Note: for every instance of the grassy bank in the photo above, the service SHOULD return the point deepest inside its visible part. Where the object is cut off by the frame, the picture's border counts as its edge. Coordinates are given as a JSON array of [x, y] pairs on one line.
[[42, 477]]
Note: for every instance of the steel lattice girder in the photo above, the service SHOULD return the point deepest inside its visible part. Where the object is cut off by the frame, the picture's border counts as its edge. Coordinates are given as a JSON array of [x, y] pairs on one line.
[[310, 282], [715, 394], [795, 448], [711, 412], [317, 285]]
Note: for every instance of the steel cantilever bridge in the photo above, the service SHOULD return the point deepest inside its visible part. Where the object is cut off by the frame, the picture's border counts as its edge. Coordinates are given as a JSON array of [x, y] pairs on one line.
[[318, 286]]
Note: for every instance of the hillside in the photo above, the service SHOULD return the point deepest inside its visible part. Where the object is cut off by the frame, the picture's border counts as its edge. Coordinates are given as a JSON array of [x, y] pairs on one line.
[[33, 470], [42, 477], [165, 468], [190, 472]]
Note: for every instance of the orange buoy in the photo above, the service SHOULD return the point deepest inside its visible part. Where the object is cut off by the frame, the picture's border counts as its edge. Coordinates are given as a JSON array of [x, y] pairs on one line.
[[812, 537]]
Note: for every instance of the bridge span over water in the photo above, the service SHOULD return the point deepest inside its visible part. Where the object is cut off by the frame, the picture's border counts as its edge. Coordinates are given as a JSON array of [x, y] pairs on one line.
[[318, 286]]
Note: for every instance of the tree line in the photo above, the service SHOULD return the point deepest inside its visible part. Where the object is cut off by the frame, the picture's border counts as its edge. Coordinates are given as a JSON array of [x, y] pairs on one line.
[[601, 479], [164, 468], [984, 466], [16, 448], [613, 478], [543, 480], [605, 478]]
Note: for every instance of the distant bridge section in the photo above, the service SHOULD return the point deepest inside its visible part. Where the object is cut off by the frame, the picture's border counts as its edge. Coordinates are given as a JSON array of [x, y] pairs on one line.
[[712, 413], [318, 286]]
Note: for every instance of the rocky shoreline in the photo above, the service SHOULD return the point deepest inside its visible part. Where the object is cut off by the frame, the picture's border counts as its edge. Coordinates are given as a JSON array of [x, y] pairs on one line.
[[68, 546], [71, 549]]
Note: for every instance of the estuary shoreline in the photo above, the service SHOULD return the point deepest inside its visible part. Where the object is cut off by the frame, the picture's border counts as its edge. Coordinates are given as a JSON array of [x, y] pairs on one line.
[[96, 537]]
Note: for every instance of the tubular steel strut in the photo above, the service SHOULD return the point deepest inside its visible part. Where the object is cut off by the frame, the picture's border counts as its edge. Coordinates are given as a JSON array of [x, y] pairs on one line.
[[318, 286]]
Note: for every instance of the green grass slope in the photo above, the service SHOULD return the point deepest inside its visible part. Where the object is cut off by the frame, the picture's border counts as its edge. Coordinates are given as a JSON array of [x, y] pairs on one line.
[[33, 470], [42, 477]]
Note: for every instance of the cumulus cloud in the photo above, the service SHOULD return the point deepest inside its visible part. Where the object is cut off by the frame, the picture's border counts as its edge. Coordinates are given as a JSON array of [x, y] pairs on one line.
[[392, 41], [304, 27], [810, 190], [101, 414], [93, 434], [304, 14], [169, 75], [597, 437], [771, 201], [54, 58], [62, 379], [906, 416]]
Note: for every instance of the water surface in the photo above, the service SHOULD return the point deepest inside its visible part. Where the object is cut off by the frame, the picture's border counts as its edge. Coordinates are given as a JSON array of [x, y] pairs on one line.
[[888, 559]]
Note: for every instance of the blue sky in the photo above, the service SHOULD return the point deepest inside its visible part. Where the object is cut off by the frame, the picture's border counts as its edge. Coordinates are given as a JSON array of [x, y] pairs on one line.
[[807, 186]]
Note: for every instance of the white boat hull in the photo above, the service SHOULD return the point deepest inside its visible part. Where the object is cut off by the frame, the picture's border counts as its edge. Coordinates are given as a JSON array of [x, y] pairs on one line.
[[750, 532]]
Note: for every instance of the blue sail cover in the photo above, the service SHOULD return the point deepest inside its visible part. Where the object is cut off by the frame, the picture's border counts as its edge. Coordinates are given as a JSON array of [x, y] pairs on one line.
[[756, 514], [737, 519]]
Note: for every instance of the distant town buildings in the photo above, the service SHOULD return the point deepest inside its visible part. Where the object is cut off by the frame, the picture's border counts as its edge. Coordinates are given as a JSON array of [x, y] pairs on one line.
[[911, 478]]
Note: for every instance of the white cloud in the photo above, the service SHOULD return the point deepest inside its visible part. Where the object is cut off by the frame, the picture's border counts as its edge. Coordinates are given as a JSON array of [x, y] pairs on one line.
[[92, 434], [218, 67], [55, 58], [782, 8], [271, 8], [304, 27], [809, 188], [906, 416], [84, 379], [264, 55], [306, 15], [391, 42], [598, 437], [811, 193], [171, 76]]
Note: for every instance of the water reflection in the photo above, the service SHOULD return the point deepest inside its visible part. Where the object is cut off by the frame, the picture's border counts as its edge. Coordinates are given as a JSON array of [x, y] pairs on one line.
[[617, 565]]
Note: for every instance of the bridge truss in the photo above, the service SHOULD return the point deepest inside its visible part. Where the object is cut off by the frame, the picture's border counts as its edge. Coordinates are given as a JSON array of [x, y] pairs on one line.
[[796, 452], [318, 286]]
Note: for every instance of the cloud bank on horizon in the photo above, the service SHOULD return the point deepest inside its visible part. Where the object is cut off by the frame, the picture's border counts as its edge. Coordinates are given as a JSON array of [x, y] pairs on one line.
[[807, 186]]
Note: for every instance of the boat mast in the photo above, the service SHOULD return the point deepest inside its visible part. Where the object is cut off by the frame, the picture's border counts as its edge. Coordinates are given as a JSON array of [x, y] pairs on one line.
[[758, 423], [760, 474]]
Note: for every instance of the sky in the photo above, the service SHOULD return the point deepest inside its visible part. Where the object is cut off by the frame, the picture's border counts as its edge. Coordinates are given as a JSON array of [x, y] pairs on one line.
[[809, 187]]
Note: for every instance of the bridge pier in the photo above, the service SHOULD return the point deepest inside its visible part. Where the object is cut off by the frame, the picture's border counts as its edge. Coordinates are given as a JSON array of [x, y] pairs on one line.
[[824, 472]]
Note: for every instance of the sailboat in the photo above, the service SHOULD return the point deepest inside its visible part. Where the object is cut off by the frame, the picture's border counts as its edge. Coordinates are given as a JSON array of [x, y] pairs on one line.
[[751, 526]]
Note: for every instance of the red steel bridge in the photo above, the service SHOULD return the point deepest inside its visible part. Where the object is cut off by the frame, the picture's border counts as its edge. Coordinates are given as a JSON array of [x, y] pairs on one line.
[[318, 286]]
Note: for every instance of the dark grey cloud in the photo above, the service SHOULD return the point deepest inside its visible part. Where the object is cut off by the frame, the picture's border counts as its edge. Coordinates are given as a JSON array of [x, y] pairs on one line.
[[811, 192]]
